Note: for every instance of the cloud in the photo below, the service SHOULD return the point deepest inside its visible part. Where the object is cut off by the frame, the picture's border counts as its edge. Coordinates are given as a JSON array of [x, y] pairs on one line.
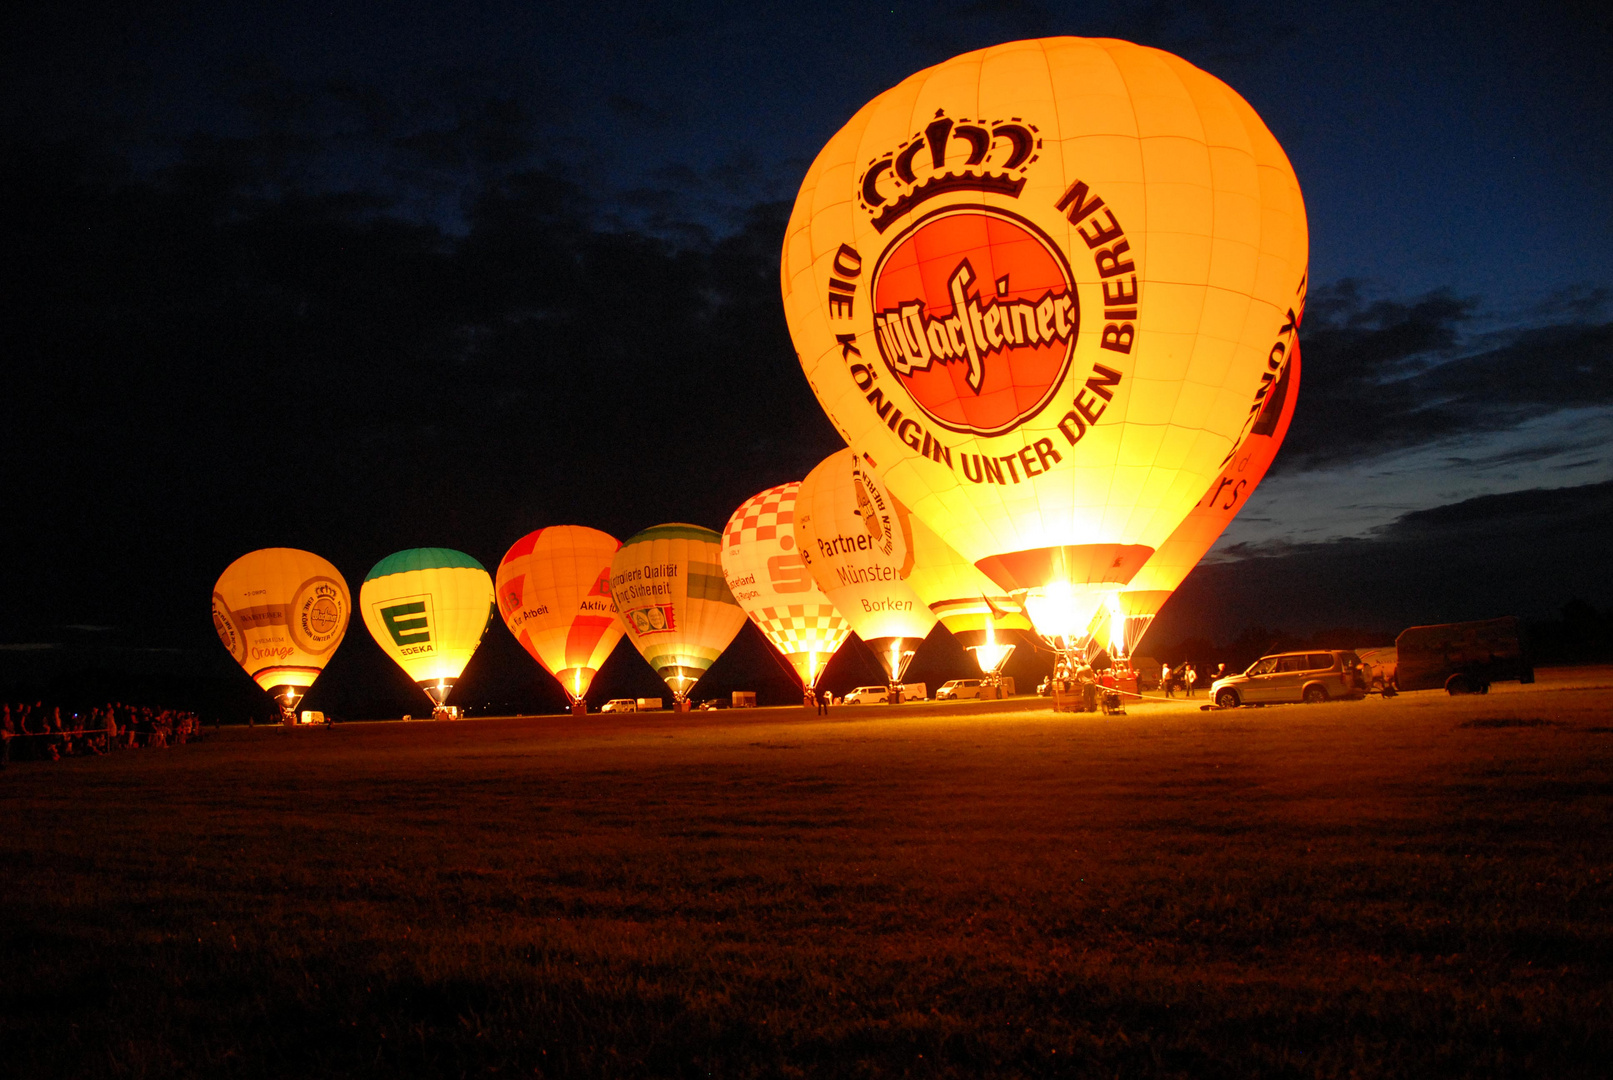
[[1383, 375], [1521, 553]]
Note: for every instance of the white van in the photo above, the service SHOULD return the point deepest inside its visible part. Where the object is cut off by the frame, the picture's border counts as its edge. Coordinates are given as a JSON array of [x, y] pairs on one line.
[[958, 689], [867, 695], [621, 704]]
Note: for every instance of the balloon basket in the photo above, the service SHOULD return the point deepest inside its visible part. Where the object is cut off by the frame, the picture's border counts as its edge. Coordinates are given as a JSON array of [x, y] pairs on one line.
[[579, 708]]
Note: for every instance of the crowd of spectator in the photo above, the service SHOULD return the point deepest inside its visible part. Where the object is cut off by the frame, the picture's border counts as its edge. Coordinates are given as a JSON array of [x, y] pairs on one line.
[[40, 732]]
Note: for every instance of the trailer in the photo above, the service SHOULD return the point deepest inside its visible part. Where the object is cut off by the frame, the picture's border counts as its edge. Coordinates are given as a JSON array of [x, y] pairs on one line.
[[1462, 658]]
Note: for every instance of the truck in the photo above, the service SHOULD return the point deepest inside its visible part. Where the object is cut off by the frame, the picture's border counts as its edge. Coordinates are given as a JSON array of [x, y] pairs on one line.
[[1462, 658]]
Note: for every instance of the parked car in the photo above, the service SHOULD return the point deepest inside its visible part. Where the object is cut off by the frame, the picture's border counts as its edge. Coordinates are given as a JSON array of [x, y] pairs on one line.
[[621, 704], [1298, 676], [867, 695], [958, 689], [713, 703]]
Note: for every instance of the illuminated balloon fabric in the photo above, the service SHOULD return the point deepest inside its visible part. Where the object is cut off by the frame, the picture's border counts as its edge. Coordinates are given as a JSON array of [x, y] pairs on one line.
[[281, 613], [769, 579], [674, 601], [1041, 285], [960, 596], [428, 608], [856, 544], [1243, 471], [553, 590]]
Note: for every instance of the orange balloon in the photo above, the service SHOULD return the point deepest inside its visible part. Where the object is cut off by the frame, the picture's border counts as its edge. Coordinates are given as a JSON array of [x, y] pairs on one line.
[[553, 588]]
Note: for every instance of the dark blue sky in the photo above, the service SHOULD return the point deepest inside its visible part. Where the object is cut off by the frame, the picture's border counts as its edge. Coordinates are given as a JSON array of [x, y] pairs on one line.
[[1460, 146]]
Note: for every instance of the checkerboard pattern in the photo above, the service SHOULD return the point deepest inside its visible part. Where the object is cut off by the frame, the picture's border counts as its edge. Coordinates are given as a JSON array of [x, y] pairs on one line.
[[804, 628], [764, 517]]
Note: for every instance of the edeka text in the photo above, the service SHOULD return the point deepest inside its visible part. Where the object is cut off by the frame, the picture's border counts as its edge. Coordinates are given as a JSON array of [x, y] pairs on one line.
[[1116, 267]]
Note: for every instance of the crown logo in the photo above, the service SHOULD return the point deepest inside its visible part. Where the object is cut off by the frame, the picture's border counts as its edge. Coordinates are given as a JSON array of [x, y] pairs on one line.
[[892, 184]]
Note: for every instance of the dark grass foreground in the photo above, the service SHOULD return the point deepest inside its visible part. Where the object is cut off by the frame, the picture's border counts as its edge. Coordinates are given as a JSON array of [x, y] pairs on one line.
[[1412, 888]]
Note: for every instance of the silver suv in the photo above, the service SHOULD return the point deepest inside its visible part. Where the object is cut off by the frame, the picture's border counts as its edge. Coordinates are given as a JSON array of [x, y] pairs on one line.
[[1295, 676]]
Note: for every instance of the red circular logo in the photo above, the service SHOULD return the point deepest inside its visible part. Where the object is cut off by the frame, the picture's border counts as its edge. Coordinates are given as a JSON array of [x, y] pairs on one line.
[[976, 313]]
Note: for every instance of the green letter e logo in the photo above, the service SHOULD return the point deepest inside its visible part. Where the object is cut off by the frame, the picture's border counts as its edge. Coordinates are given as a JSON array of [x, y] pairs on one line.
[[407, 622]]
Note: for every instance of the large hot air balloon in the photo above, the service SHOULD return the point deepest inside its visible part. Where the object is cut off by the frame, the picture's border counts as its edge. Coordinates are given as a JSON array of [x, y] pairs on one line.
[[1045, 287], [770, 581], [281, 613], [1132, 610], [554, 593], [428, 608], [857, 545], [674, 602], [986, 621]]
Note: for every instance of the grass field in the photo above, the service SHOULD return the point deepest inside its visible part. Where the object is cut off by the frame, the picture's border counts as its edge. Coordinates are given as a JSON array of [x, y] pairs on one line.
[[1417, 887]]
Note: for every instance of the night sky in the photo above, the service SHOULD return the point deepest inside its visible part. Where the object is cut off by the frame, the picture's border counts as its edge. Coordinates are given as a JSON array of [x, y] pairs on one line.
[[369, 278]]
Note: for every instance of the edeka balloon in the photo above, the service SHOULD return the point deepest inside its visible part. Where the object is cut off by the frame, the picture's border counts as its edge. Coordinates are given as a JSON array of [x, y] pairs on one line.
[[554, 593], [859, 550], [674, 602], [1133, 609], [974, 609], [281, 613], [771, 582], [428, 608], [1040, 285]]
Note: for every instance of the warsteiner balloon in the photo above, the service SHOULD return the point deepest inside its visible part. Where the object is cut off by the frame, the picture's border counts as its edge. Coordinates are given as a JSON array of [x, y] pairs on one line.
[[762, 560], [674, 601], [428, 608], [1044, 287], [554, 593], [281, 613], [1132, 610], [860, 551]]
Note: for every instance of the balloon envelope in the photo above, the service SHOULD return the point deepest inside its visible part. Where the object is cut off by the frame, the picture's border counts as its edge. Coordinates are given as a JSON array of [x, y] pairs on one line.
[[1133, 609], [765, 571], [674, 602], [553, 590], [428, 608], [281, 613], [1043, 286], [859, 549], [987, 622]]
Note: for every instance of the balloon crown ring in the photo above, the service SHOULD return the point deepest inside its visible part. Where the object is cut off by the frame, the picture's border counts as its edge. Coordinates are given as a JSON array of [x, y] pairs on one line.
[[995, 155]]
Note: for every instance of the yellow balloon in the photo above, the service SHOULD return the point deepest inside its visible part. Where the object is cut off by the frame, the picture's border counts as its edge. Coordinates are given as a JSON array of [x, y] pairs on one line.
[[428, 608], [770, 580], [554, 593], [858, 546], [1044, 287], [281, 613], [674, 601]]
